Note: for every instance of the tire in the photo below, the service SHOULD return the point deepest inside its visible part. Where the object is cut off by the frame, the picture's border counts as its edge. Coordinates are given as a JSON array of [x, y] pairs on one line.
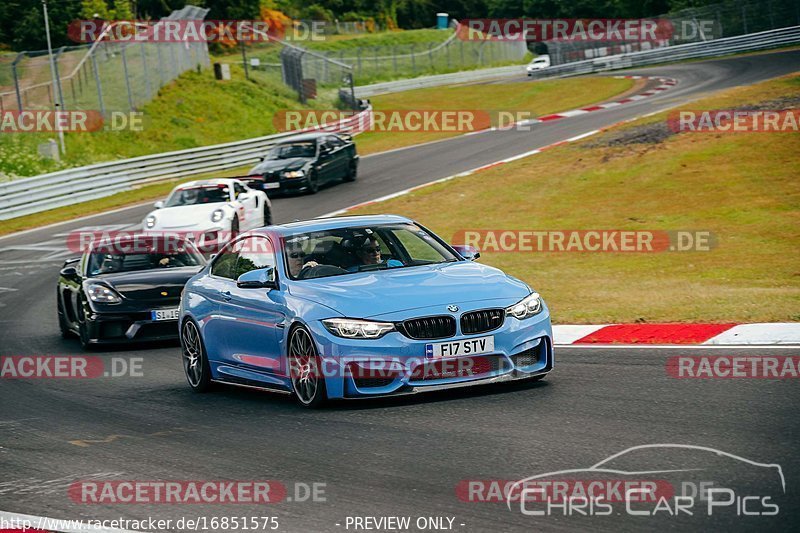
[[267, 214], [62, 325], [352, 172], [313, 183], [308, 385], [195, 359]]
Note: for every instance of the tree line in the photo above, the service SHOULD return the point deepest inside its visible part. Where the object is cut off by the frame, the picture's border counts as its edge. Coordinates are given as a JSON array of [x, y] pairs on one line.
[[22, 23]]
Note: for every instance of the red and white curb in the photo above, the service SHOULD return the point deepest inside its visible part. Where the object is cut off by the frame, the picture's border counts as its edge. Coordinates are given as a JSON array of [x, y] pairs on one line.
[[764, 334], [666, 83]]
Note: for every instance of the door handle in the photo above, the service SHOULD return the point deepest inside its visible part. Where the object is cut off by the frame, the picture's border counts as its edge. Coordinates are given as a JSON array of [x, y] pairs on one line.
[[226, 295]]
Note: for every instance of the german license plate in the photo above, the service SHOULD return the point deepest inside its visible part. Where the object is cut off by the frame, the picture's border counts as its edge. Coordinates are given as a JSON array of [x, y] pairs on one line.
[[272, 185], [476, 346], [164, 314]]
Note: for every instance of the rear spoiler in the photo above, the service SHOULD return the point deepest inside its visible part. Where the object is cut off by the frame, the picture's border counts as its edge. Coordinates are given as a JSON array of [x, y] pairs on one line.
[[249, 177]]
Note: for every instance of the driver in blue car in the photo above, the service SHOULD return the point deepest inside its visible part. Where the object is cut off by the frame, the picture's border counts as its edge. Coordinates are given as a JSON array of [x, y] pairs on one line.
[[368, 252]]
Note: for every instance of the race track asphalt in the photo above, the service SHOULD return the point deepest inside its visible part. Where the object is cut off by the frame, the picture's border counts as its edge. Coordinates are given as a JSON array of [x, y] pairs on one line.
[[392, 457]]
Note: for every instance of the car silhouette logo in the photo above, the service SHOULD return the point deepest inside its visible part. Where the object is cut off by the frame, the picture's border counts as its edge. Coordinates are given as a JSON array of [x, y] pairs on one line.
[[452, 308]]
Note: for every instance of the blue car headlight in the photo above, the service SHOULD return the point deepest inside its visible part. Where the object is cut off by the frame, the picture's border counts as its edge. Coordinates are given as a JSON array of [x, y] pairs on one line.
[[527, 307], [351, 328]]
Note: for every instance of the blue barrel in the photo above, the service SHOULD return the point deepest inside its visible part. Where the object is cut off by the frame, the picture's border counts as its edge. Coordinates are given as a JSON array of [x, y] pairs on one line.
[[442, 20]]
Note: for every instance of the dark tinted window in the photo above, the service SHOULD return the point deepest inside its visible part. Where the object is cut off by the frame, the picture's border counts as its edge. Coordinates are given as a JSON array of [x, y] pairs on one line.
[[225, 265], [207, 194], [254, 253], [146, 253]]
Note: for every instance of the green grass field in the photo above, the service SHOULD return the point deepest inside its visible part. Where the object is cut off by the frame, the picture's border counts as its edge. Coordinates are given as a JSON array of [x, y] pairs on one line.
[[743, 188], [195, 110]]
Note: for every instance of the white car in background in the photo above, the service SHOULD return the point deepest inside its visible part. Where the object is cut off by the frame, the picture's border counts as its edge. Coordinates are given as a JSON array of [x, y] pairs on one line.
[[538, 63], [210, 212]]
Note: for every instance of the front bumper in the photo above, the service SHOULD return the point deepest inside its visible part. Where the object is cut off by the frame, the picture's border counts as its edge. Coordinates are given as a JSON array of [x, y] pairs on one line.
[[267, 183], [121, 328], [395, 364]]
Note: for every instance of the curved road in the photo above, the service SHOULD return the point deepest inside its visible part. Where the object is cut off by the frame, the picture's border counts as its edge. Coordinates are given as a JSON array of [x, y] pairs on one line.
[[394, 457]]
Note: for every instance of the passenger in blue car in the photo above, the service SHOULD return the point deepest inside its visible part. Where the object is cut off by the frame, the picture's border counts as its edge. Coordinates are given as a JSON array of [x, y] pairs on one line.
[[368, 251]]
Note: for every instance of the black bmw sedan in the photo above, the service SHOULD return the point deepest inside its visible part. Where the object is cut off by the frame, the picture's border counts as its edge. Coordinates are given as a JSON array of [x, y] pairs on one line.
[[304, 163], [125, 289]]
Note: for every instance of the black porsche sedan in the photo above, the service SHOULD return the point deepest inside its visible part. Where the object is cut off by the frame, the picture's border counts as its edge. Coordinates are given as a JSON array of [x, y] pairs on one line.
[[304, 163], [126, 289]]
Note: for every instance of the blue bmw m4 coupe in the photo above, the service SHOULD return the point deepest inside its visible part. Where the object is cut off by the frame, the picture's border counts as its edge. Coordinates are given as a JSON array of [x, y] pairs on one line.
[[356, 307]]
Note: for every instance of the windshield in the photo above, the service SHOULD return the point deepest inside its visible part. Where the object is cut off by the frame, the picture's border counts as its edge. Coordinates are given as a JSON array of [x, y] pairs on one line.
[[291, 150], [205, 194], [345, 251], [154, 255]]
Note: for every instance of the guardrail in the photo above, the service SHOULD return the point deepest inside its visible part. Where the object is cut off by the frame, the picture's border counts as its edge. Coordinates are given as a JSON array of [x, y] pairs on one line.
[[718, 47], [66, 187], [439, 79], [729, 45]]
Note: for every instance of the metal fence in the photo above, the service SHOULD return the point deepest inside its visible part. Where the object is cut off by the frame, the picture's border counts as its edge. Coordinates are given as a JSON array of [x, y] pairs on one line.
[[372, 63], [698, 24], [104, 75], [67, 187], [718, 47]]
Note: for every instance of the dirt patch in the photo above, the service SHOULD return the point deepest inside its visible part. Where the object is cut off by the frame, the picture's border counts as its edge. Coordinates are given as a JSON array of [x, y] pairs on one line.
[[653, 133], [657, 132]]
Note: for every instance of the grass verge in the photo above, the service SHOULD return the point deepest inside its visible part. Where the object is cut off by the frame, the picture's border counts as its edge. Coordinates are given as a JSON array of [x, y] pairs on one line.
[[741, 187], [193, 111], [539, 98]]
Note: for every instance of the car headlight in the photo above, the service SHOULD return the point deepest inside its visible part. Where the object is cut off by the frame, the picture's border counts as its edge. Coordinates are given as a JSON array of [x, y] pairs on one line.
[[293, 174], [527, 307], [351, 328], [217, 215], [102, 294], [150, 222]]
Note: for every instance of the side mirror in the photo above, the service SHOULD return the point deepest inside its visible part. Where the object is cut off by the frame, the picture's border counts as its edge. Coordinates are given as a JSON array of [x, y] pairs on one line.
[[470, 253], [243, 196], [262, 278], [159, 204], [69, 272], [324, 150]]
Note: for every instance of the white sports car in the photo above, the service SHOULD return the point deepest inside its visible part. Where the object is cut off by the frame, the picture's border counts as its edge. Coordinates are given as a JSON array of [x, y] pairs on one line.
[[210, 212]]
